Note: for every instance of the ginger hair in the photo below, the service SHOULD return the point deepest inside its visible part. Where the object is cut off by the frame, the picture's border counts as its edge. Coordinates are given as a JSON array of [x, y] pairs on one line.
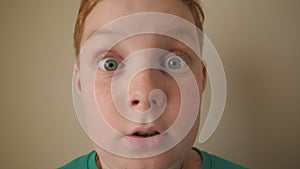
[[86, 6]]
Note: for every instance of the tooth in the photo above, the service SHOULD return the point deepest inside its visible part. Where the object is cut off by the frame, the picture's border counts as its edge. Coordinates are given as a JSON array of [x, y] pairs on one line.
[[152, 133], [141, 134]]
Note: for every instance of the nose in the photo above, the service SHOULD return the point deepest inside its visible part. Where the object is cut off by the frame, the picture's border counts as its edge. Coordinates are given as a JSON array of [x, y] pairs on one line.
[[141, 87]]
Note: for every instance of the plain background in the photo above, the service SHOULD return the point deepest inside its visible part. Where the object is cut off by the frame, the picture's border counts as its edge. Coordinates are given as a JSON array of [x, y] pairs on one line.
[[258, 41]]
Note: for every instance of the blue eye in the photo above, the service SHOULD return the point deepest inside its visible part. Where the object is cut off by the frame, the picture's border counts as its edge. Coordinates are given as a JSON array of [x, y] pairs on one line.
[[174, 62], [108, 64]]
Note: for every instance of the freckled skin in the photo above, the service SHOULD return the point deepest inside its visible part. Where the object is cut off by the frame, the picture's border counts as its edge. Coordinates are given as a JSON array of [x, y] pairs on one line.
[[106, 11]]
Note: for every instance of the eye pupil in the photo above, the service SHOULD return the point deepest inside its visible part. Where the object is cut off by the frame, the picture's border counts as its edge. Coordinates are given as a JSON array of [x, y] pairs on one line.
[[111, 65], [174, 63]]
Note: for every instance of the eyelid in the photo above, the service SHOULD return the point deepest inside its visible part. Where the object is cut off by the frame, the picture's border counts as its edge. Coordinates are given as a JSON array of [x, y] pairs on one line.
[[169, 57], [102, 57], [101, 63], [110, 54], [183, 55], [107, 58]]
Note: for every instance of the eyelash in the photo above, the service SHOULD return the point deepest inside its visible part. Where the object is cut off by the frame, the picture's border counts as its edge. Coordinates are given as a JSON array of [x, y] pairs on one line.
[[183, 55]]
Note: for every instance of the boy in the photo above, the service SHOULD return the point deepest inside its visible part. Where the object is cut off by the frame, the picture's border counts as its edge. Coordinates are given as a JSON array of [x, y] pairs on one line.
[[137, 131]]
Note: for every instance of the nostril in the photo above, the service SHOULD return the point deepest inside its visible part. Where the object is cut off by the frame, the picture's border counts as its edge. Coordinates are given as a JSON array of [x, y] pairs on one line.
[[153, 101], [135, 102]]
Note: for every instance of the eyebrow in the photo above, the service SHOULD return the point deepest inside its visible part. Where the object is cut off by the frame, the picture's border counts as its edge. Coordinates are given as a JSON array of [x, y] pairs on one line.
[[125, 34], [181, 31]]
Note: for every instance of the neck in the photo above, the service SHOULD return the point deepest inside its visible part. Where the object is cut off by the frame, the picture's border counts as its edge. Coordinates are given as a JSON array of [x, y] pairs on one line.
[[101, 165]]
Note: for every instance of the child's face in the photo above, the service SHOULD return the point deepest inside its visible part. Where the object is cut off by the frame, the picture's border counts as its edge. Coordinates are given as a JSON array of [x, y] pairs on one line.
[[144, 82]]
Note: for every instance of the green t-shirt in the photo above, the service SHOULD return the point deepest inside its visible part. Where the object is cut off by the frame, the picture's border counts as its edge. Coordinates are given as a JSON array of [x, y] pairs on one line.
[[209, 162]]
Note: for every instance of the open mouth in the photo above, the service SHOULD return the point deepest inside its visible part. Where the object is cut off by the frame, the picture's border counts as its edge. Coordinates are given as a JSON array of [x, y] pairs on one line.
[[145, 134], [145, 139]]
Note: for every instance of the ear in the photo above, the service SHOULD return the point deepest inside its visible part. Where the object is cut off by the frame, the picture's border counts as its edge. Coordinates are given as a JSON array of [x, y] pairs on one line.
[[204, 77], [77, 76]]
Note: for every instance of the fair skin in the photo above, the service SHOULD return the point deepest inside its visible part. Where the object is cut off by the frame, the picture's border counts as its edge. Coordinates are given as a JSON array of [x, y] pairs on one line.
[[181, 156]]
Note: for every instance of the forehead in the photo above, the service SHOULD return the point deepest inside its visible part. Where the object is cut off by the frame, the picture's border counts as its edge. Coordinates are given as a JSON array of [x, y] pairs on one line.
[[108, 10]]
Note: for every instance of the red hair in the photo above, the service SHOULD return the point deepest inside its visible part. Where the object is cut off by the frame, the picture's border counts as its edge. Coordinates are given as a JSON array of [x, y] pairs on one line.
[[86, 6]]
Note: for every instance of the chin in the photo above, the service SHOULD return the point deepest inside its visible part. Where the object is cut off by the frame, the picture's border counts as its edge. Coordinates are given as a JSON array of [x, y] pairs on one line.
[[168, 160]]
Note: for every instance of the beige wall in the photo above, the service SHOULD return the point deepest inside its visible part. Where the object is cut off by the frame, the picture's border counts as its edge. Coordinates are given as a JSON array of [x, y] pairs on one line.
[[257, 40]]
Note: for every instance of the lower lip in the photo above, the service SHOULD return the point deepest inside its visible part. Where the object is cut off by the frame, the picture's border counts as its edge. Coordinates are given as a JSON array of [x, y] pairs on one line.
[[146, 143]]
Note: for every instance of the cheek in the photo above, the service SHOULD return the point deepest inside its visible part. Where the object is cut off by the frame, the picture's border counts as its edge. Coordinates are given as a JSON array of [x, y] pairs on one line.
[[174, 101], [103, 94], [105, 103], [172, 109], [197, 70]]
